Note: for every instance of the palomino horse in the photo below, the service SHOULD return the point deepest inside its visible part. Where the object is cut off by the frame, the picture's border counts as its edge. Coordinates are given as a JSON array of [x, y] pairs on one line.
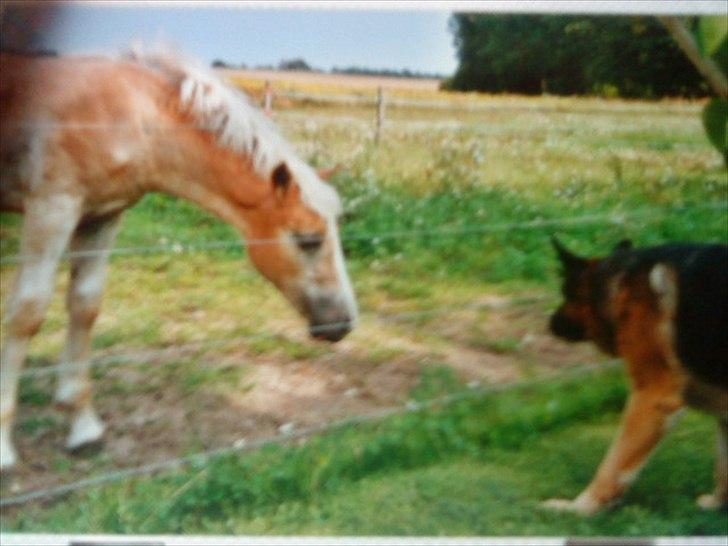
[[84, 138]]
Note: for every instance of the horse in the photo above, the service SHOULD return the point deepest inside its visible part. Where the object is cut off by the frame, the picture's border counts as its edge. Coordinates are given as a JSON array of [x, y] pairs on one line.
[[84, 138]]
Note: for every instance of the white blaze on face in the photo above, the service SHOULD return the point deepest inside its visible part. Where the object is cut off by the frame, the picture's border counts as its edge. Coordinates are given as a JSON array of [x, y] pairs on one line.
[[346, 289], [324, 199]]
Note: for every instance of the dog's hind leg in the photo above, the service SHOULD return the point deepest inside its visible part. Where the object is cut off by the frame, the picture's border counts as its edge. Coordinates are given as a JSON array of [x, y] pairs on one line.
[[646, 419], [719, 497]]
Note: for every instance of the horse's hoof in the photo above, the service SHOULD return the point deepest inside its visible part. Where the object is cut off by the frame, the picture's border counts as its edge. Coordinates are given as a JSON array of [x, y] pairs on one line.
[[86, 430], [711, 501], [8, 457], [88, 449]]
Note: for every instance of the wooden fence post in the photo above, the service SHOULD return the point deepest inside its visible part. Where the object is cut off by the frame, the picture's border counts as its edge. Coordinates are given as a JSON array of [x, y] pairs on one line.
[[380, 114], [268, 98]]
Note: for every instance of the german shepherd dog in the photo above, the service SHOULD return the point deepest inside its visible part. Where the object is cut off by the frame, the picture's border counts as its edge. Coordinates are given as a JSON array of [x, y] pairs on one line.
[[664, 311]]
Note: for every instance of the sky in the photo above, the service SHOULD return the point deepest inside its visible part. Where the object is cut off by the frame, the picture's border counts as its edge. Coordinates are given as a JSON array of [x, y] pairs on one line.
[[410, 35], [390, 39]]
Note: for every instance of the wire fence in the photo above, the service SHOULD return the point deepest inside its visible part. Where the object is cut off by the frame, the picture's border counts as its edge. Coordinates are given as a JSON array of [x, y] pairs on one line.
[[614, 218], [171, 353], [239, 446], [379, 99], [179, 350], [180, 248]]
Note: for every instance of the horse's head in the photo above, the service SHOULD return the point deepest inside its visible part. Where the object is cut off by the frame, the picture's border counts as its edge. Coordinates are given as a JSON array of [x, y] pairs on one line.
[[294, 242], [254, 179]]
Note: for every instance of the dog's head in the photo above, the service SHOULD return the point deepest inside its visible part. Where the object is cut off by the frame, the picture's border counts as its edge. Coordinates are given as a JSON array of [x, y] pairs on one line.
[[580, 316]]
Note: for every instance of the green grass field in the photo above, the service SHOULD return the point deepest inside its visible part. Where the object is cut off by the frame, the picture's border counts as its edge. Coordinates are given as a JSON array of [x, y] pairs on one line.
[[628, 169], [475, 467]]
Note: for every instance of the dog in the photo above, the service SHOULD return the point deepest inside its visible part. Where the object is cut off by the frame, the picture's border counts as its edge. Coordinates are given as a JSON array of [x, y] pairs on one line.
[[664, 311]]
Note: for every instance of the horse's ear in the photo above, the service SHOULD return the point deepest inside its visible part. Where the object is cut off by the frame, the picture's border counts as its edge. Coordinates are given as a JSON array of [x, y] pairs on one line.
[[281, 178], [570, 261], [326, 174]]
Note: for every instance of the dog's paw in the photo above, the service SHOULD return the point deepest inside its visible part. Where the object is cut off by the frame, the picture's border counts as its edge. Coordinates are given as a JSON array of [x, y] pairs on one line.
[[582, 505], [711, 501]]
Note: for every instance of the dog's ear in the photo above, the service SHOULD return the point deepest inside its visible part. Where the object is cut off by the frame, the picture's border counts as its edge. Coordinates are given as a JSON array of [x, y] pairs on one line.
[[624, 244], [571, 262]]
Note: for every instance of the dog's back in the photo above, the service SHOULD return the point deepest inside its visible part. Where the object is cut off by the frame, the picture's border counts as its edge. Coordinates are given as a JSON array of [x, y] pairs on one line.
[[701, 316]]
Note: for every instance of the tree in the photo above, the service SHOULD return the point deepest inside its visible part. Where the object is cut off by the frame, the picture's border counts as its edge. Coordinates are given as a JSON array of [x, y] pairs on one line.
[[293, 64], [530, 54]]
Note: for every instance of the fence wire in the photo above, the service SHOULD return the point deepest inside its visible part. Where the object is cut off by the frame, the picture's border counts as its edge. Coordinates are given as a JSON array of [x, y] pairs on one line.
[[179, 350], [204, 457], [614, 218], [178, 248], [169, 354]]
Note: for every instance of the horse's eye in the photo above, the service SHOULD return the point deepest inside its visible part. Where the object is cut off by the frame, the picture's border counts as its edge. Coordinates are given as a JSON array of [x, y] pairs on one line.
[[309, 242]]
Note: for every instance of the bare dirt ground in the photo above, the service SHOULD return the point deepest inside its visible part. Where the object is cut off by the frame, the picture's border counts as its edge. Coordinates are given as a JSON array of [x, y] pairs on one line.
[[153, 416]]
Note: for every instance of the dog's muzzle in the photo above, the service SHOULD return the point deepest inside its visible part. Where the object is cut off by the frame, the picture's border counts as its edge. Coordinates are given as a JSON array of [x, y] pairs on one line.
[[566, 328]]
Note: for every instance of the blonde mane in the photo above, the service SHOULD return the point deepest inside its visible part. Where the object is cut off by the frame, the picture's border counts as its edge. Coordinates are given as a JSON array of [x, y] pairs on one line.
[[238, 124]]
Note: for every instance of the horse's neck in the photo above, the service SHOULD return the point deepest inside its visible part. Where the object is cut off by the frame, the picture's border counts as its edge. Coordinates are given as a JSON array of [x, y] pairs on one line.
[[194, 168]]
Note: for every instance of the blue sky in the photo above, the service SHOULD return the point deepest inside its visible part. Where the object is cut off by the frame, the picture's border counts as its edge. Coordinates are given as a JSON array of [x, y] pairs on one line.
[[416, 40]]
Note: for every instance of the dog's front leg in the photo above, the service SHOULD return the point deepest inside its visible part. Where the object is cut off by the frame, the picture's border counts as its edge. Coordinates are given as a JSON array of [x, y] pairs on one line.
[[719, 497], [645, 420]]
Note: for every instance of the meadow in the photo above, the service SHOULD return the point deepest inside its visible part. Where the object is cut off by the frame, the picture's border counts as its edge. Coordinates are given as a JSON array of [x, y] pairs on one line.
[[446, 231]]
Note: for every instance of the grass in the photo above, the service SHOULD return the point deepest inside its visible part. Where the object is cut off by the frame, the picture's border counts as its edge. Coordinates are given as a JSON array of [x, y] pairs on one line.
[[474, 468], [479, 466], [497, 494]]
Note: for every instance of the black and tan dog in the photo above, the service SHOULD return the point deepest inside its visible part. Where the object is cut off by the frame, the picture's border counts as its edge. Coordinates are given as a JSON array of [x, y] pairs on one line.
[[664, 310]]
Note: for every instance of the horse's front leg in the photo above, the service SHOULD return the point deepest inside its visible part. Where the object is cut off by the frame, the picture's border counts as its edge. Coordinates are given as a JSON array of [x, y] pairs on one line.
[[90, 249], [47, 227]]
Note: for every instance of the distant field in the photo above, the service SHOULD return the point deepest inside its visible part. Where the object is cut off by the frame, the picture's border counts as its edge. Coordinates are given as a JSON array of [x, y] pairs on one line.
[[305, 83], [341, 82], [642, 170]]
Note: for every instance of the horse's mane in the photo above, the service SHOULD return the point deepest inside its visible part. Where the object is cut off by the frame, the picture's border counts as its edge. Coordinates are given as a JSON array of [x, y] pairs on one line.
[[236, 122]]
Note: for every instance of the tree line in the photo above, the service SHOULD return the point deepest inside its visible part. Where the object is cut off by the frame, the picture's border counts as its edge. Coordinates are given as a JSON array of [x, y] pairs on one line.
[[300, 64], [568, 55]]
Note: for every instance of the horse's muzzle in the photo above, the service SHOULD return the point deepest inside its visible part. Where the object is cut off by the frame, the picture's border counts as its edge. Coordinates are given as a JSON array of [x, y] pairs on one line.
[[330, 317], [332, 331]]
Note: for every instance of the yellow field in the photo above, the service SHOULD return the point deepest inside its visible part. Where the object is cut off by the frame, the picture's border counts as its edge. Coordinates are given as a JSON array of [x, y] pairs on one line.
[[312, 86]]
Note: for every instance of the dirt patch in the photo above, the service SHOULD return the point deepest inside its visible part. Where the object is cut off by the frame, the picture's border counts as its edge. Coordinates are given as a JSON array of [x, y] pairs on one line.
[[162, 410]]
